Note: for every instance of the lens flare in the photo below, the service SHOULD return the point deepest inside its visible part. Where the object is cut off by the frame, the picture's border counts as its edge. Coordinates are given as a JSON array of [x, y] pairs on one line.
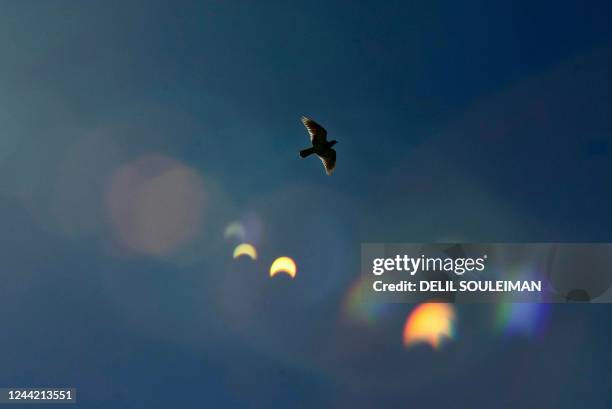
[[429, 323], [283, 265], [359, 304], [245, 249], [234, 230], [156, 204], [522, 318]]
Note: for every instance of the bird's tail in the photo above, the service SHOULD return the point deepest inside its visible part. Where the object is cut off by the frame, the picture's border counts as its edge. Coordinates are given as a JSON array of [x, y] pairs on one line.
[[306, 152]]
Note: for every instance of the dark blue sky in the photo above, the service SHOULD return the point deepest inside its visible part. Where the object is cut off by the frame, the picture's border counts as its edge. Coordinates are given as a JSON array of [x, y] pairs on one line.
[[135, 132]]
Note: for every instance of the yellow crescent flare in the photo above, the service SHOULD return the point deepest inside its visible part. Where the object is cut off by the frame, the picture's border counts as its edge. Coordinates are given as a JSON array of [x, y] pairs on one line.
[[245, 249], [429, 323], [283, 265]]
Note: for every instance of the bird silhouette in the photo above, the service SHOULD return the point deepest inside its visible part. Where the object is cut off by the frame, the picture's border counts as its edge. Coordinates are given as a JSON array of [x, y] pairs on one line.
[[320, 145]]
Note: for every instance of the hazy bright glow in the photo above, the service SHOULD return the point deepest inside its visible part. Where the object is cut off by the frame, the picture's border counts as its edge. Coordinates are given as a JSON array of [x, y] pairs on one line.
[[283, 265], [429, 323], [245, 249]]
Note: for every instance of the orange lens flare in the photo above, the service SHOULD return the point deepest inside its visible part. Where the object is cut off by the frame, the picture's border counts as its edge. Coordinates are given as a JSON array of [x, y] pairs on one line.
[[429, 323]]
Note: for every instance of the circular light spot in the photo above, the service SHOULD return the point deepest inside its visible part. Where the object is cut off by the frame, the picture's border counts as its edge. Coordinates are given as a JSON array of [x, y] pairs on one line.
[[156, 204]]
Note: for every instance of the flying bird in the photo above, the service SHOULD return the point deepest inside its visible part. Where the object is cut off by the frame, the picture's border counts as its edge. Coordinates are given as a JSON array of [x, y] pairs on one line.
[[320, 145]]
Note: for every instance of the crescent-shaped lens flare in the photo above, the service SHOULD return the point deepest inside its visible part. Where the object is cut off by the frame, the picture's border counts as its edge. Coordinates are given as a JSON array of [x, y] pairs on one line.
[[283, 265], [429, 323], [234, 230], [245, 249]]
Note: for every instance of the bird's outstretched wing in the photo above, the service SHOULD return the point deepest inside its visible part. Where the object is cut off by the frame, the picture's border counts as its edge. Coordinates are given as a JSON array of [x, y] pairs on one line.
[[329, 160], [317, 133]]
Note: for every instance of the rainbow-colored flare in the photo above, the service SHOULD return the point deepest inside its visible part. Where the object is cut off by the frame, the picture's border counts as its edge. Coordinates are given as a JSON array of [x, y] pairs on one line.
[[522, 318]]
